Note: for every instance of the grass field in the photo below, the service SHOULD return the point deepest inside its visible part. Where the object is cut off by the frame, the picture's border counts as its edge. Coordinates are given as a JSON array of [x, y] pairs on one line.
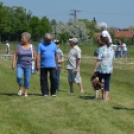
[[68, 113]]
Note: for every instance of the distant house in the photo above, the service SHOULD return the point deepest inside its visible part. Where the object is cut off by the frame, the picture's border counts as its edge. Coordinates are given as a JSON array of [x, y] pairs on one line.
[[127, 34]]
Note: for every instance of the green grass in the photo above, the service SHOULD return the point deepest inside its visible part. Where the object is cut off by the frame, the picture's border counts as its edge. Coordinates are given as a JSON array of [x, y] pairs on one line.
[[67, 113]]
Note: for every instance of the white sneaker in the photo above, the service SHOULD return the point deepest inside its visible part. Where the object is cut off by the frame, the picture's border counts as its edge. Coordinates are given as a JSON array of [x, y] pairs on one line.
[[26, 95], [82, 91], [45, 95], [20, 92], [54, 95]]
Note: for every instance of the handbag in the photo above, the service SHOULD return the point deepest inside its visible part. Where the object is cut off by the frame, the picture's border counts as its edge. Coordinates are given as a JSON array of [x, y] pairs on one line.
[[34, 71]]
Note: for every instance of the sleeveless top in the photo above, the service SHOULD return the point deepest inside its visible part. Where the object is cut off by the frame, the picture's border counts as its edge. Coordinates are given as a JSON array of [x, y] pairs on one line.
[[24, 57]]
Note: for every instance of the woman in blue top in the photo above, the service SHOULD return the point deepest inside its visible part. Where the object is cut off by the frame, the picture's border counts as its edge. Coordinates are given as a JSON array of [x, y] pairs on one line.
[[104, 64], [23, 54]]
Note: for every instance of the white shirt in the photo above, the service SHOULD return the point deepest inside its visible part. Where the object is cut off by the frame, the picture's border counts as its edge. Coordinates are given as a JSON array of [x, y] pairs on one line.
[[7, 46], [124, 47], [105, 32]]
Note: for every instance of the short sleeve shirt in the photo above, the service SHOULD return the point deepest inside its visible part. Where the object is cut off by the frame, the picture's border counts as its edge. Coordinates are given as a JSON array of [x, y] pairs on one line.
[[123, 46], [60, 55], [47, 54], [25, 57], [106, 58], [73, 56], [108, 35]]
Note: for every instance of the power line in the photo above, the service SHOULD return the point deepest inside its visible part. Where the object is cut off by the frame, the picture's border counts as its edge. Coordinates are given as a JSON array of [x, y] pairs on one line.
[[74, 13]]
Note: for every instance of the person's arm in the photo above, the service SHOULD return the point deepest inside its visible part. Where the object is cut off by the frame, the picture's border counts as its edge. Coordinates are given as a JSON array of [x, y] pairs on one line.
[[61, 60], [38, 58], [56, 59], [35, 55], [38, 61], [97, 63], [14, 59], [78, 64]]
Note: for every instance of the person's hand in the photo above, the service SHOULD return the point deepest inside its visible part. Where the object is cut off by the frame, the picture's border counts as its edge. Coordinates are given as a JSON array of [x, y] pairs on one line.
[[95, 71], [13, 67], [76, 70], [37, 67]]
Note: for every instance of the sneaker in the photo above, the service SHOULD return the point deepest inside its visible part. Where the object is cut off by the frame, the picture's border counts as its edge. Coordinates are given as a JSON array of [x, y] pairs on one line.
[[45, 95], [20, 92], [26, 95], [54, 95], [82, 91]]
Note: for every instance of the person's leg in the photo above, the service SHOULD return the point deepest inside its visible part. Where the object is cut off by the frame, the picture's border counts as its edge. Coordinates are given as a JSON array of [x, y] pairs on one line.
[[44, 81], [70, 80], [107, 86], [58, 78], [53, 81], [78, 81], [27, 78], [19, 73], [71, 87]]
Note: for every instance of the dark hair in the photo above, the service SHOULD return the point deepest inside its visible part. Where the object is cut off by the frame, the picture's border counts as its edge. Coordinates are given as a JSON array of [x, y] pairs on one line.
[[105, 40]]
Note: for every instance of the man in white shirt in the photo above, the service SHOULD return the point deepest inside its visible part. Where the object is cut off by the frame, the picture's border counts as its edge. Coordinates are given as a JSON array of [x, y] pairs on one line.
[[105, 32]]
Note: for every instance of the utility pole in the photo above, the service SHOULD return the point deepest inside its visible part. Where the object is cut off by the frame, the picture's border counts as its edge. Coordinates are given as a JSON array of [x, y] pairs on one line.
[[74, 13]]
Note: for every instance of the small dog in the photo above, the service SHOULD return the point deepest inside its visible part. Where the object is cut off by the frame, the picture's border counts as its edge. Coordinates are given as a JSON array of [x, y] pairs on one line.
[[95, 81]]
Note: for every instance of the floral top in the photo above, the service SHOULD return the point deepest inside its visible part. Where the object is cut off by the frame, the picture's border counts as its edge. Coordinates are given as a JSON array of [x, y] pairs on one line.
[[106, 58]]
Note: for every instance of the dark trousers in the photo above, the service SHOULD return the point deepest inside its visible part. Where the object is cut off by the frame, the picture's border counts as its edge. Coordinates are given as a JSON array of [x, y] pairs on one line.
[[44, 81]]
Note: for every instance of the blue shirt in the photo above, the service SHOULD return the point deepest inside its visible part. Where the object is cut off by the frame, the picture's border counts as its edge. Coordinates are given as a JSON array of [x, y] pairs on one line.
[[47, 54], [106, 58]]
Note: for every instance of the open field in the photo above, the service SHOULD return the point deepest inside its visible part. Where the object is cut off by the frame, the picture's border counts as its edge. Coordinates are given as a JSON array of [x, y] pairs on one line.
[[68, 113]]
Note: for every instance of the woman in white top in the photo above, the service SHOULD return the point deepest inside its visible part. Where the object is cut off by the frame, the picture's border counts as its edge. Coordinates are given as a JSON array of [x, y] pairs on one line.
[[124, 50]]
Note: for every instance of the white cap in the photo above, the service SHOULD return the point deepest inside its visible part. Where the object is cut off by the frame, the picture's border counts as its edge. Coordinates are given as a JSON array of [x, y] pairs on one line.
[[104, 25], [75, 40], [56, 41]]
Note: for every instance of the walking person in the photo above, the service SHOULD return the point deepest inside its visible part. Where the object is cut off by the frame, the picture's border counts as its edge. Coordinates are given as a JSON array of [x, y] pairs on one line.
[[60, 61], [7, 48], [105, 32], [73, 65], [23, 55], [47, 62], [124, 50], [104, 65]]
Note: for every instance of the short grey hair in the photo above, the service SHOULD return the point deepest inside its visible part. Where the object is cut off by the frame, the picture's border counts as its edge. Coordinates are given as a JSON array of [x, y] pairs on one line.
[[27, 35], [48, 36]]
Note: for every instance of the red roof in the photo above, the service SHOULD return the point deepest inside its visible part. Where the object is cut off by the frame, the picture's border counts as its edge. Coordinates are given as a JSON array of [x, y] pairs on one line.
[[127, 34]]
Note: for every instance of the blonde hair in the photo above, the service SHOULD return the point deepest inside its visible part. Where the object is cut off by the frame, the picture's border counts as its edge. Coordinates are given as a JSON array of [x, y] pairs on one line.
[[27, 35]]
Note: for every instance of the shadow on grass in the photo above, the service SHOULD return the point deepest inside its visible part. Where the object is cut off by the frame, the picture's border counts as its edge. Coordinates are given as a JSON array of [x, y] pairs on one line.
[[87, 97], [122, 108], [15, 94]]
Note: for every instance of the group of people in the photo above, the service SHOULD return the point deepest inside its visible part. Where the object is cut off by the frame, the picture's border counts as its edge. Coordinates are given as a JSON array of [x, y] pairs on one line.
[[120, 49], [48, 59]]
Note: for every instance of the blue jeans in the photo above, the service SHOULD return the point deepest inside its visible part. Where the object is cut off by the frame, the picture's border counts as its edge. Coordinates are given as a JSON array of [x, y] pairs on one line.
[[58, 77], [106, 78], [27, 76]]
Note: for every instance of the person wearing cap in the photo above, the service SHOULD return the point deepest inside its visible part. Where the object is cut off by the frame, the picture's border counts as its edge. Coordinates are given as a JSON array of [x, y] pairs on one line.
[[60, 60], [73, 65], [47, 62], [104, 65], [105, 32], [23, 54]]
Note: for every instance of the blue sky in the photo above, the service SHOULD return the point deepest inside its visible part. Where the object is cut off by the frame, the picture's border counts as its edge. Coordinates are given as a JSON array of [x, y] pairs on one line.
[[117, 13]]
